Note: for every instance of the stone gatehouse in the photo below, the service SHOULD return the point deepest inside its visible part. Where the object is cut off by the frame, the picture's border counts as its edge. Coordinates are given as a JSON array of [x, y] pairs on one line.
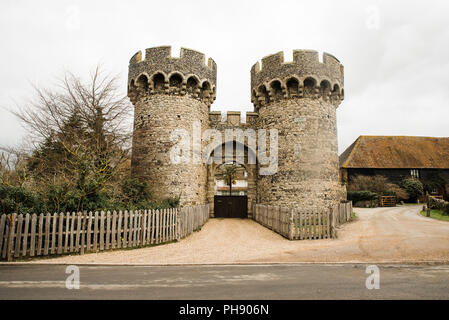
[[297, 98]]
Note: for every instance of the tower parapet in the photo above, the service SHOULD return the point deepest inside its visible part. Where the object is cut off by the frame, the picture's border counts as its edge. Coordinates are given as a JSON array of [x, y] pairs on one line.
[[304, 77], [160, 73]]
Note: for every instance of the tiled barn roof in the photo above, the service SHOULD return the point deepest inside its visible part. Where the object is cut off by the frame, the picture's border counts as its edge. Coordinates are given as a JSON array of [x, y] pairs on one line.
[[400, 152]]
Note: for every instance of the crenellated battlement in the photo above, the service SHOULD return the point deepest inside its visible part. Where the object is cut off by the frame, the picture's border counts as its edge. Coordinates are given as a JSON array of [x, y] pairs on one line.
[[160, 73], [233, 119], [305, 76]]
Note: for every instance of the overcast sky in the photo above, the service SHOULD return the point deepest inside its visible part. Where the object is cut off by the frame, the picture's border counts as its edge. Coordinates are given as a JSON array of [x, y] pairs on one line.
[[395, 53]]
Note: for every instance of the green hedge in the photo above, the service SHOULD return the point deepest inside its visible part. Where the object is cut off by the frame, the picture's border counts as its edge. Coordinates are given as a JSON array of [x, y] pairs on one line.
[[439, 204], [361, 195], [414, 188]]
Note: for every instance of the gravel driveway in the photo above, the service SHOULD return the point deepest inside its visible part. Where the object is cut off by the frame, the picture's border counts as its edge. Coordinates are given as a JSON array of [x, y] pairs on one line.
[[378, 235]]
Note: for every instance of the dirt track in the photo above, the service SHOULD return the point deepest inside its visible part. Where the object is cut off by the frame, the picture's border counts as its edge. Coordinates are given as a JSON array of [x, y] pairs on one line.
[[378, 235]]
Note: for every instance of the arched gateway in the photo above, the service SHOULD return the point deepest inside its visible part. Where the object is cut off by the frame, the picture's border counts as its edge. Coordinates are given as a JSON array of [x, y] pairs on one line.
[[231, 199]]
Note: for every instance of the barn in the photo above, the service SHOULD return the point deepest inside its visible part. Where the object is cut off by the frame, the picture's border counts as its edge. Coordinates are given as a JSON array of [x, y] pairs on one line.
[[399, 157]]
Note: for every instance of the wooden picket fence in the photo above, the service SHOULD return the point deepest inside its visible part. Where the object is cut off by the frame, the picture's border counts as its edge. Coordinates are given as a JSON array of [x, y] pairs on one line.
[[192, 219], [51, 234], [342, 213], [297, 224]]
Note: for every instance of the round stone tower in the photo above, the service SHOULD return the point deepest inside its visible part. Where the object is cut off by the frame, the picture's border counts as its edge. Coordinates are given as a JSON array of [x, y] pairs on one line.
[[168, 94], [299, 99]]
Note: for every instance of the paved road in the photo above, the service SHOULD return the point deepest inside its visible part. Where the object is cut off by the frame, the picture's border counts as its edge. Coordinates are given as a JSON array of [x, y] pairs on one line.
[[302, 281], [386, 235]]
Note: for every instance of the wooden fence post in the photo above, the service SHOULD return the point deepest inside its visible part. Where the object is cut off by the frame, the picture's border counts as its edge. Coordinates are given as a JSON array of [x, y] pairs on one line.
[[291, 225], [12, 227], [40, 234], [89, 232], [135, 227], [333, 219], [47, 234], [153, 226], [18, 236], [83, 230], [108, 230], [119, 230], [319, 224], [78, 232], [125, 229], [143, 233], [114, 230], [60, 232], [102, 216], [95, 244], [156, 229], [2, 231], [72, 232], [178, 225], [53, 233], [5, 238], [25, 235]]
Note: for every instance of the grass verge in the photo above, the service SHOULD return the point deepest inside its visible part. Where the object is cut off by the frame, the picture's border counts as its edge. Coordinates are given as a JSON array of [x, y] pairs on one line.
[[436, 214]]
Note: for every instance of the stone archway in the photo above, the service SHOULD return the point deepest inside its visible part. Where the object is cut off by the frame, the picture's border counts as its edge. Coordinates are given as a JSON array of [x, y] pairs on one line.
[[250, 169]]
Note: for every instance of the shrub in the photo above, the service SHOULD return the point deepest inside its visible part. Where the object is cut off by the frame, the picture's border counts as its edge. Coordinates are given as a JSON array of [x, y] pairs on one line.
[[401, 194], [398, 192], [356, 196], [414, 188], [135, 191], [377, 184], [18, 200], [438, 204]]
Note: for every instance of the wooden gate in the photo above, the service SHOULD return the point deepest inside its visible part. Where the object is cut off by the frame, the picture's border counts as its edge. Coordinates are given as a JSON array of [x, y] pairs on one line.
[[231, 206]]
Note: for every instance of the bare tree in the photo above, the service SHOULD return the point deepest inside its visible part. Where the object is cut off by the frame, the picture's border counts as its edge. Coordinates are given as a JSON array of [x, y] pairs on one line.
[[12, 167], [80, 132]]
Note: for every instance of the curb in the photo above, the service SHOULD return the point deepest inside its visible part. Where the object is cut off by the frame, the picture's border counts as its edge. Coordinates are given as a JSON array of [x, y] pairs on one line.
[[431, 262]]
